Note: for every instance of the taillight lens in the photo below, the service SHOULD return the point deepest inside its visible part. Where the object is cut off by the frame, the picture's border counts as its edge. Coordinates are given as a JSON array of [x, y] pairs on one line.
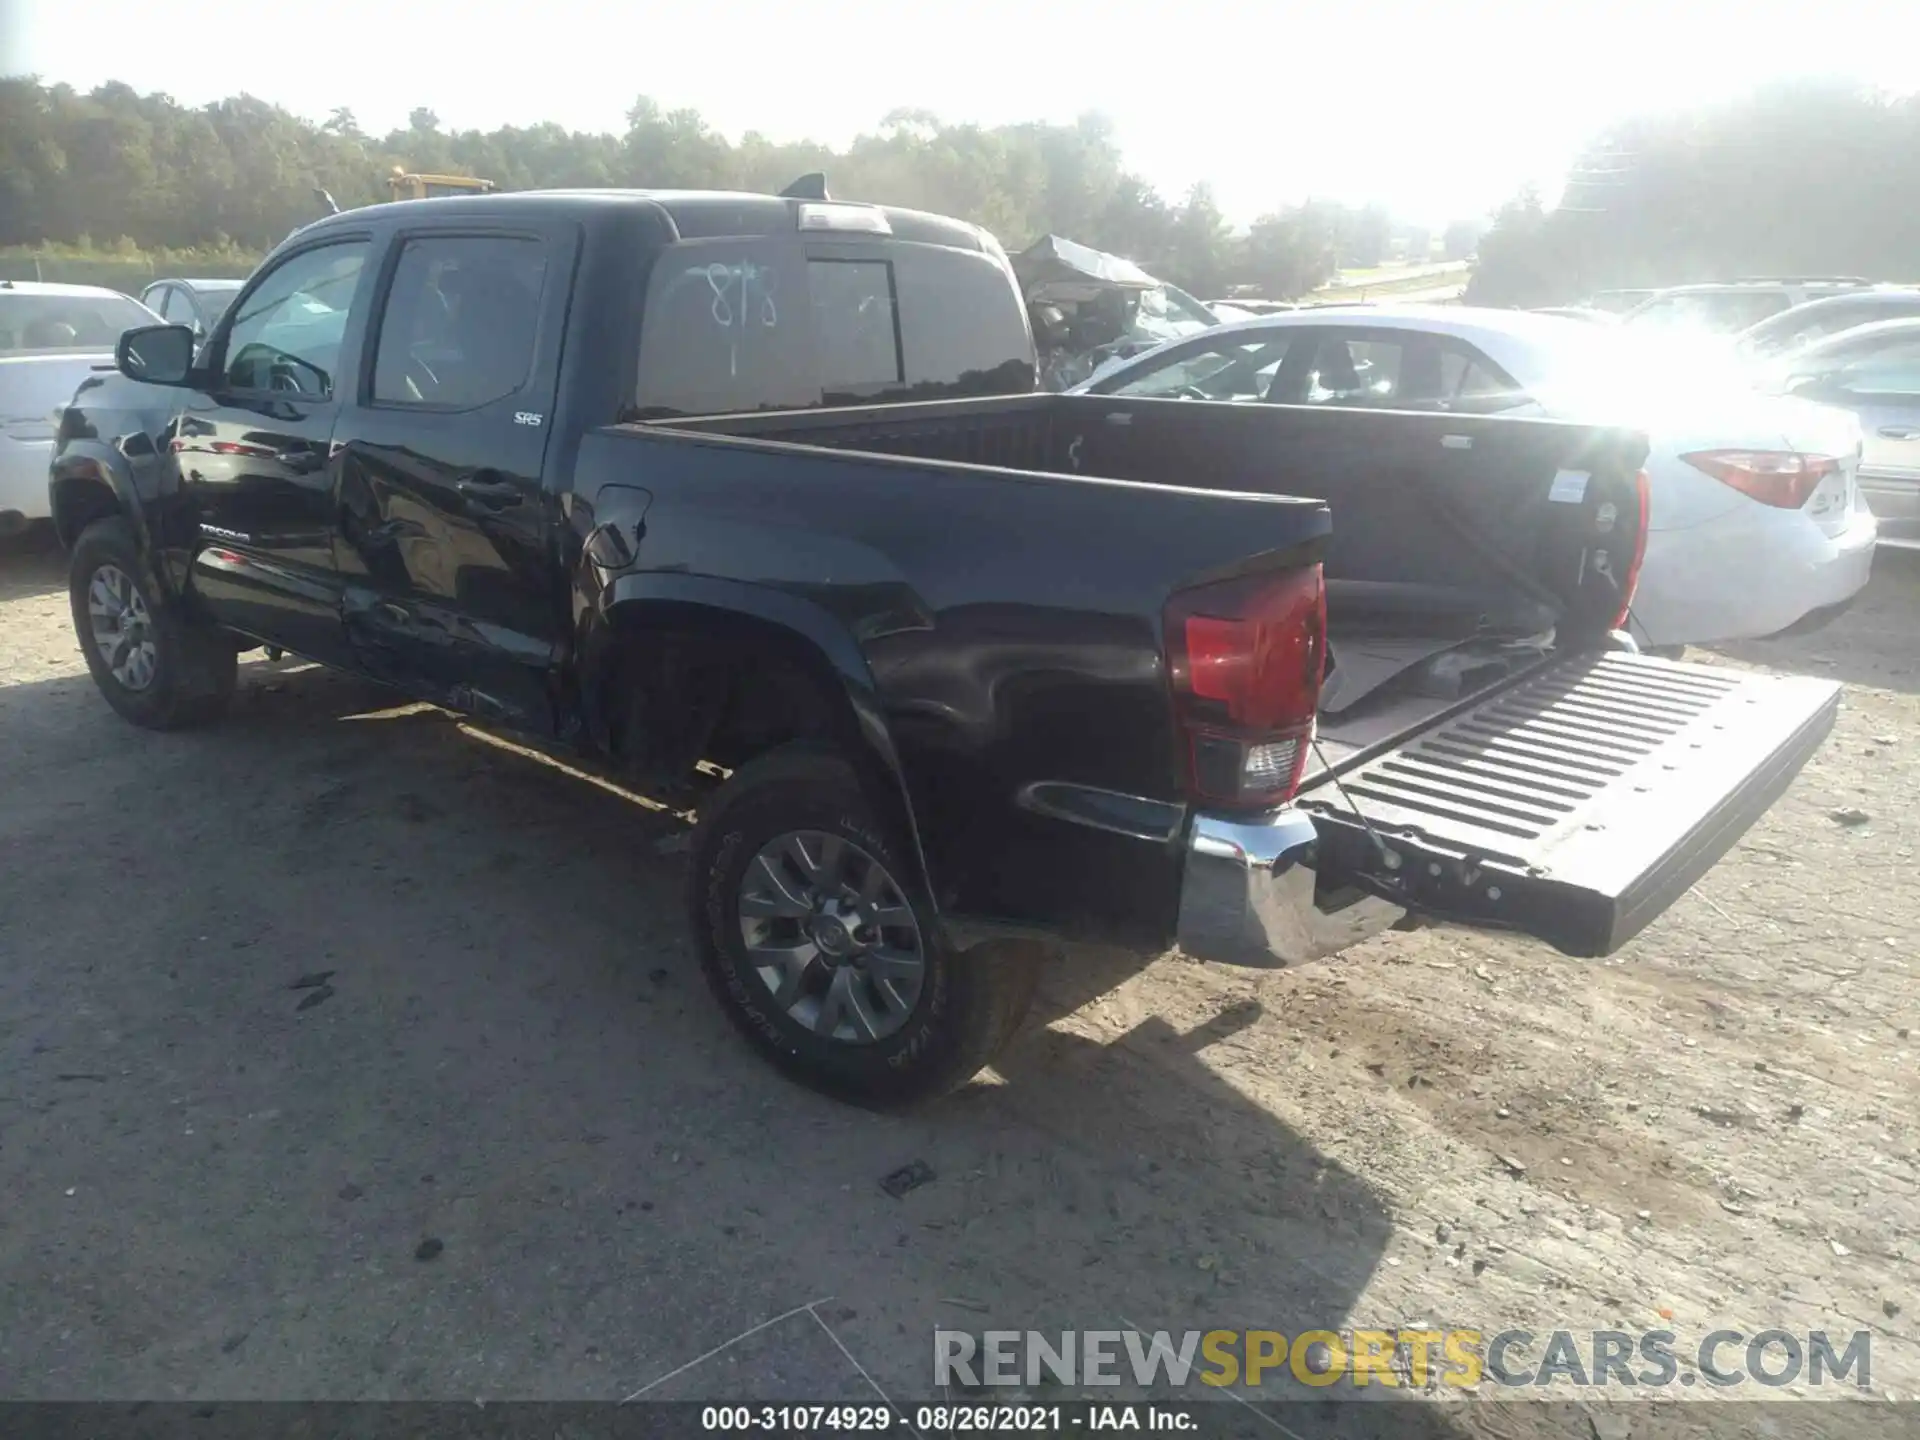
[[1781, 478], [1246, 658], [1643, 497]]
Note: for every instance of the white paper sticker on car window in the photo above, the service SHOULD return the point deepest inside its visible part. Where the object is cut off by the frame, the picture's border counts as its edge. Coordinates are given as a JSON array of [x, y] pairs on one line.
[[1569, 487]]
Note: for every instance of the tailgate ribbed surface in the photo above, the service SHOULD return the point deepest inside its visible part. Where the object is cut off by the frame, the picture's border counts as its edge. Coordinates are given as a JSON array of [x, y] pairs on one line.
[[1578, 804], [1530, 759]]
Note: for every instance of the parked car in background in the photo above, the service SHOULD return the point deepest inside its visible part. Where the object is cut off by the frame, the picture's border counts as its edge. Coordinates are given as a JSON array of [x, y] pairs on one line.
[[1617, 302], [1580, 312], [1088, 307], [1756, 522], [51, 338], [1873, 371], [1735, 305], [1251, 307], [197, 304], [1790, 330]]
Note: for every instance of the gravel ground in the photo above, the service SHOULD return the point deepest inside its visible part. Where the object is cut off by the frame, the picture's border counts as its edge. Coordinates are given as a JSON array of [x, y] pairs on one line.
[[510, 1148]]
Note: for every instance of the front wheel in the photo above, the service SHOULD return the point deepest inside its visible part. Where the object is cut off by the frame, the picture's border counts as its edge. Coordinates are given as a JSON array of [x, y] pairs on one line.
[[155, 664], [815, 937]]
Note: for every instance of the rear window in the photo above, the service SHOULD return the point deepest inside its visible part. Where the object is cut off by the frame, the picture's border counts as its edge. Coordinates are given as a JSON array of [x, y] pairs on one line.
[[856, 329], [755, 324], [30, 323]]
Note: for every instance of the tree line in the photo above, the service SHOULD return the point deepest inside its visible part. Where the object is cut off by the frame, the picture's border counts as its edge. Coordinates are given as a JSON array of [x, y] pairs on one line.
[[1793, 179], [114, 168]]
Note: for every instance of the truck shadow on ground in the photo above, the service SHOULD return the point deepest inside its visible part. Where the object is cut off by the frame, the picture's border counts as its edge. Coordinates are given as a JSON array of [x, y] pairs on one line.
[[31, 564], [514, 1054]]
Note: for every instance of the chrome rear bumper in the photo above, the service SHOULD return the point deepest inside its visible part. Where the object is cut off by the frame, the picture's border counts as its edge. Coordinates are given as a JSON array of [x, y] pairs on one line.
[[1248, 894]]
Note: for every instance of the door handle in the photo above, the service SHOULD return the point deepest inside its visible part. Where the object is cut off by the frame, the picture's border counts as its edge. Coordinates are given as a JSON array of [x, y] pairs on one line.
[[1899, 432], [494, 494]]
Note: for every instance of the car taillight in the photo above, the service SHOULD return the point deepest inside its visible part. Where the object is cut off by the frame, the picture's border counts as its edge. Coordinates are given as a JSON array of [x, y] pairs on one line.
[[1781, 478], [1246, 658], [1643, 498]]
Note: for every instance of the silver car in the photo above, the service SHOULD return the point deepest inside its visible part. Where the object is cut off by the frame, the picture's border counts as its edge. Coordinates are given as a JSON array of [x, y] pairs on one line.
[[1801, 326], [1874, 371]]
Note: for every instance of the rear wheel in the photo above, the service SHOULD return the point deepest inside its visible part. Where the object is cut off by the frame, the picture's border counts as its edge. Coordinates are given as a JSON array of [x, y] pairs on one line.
[[155, 664], [817, 941]]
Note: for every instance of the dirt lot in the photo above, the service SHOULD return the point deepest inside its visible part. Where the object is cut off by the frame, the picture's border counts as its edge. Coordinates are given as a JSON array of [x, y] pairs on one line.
[[216, 1187]]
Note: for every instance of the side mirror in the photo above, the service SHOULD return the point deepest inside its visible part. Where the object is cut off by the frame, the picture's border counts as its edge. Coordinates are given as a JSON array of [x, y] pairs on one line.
[[157, 354]]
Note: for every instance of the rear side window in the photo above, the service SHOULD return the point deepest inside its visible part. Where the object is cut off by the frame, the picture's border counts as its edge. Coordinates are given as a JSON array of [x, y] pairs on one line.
[[757, 324], [1471, 384], [460, 321]]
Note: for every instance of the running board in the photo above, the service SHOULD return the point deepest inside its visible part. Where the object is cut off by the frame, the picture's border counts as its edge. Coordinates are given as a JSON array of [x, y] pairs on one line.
[[1577, 804]]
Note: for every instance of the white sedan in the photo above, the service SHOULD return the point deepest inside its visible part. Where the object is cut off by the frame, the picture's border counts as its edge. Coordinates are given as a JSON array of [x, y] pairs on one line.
[[1756, 525], [51, 338]]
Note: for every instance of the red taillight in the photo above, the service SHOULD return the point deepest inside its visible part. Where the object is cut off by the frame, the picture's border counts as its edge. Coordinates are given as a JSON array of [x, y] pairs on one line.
[[1782, 478], [1643, 498], [1246, 659]]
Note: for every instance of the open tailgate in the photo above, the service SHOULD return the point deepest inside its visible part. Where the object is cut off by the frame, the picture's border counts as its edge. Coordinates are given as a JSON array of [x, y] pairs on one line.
[[1577, 804]]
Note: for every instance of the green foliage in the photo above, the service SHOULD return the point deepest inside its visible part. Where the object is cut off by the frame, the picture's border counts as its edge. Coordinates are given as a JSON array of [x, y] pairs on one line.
[[1799, 178], [231, 179], [122, 265]]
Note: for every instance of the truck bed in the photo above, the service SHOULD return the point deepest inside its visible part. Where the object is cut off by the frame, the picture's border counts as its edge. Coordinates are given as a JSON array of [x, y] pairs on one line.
[[1455, 558], [1484, 754]]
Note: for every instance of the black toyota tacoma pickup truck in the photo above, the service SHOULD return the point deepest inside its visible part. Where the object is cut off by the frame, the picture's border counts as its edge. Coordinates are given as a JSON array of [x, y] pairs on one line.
[[758, 488]]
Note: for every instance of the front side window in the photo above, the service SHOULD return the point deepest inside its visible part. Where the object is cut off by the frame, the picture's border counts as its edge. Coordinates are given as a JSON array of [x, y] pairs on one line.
[[1222, 371], [460, 321], [287, 332]]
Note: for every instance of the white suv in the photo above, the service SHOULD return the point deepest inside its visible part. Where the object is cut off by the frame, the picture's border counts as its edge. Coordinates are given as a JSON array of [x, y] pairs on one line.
[[1731, 306]]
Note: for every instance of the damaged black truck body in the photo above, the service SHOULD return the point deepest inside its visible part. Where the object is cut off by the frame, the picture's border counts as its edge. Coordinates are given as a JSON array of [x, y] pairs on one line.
[[760, 485]]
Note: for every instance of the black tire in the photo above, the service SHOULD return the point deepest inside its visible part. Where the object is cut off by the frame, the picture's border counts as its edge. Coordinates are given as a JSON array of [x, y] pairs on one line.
[[970, 1003], [195, 663]]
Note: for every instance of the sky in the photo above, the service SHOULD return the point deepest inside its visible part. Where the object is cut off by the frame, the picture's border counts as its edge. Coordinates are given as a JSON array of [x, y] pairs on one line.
[[1439, 111]]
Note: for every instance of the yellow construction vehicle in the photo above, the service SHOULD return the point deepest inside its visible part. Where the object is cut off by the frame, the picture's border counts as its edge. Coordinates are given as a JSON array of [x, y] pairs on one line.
[[407, 186]]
